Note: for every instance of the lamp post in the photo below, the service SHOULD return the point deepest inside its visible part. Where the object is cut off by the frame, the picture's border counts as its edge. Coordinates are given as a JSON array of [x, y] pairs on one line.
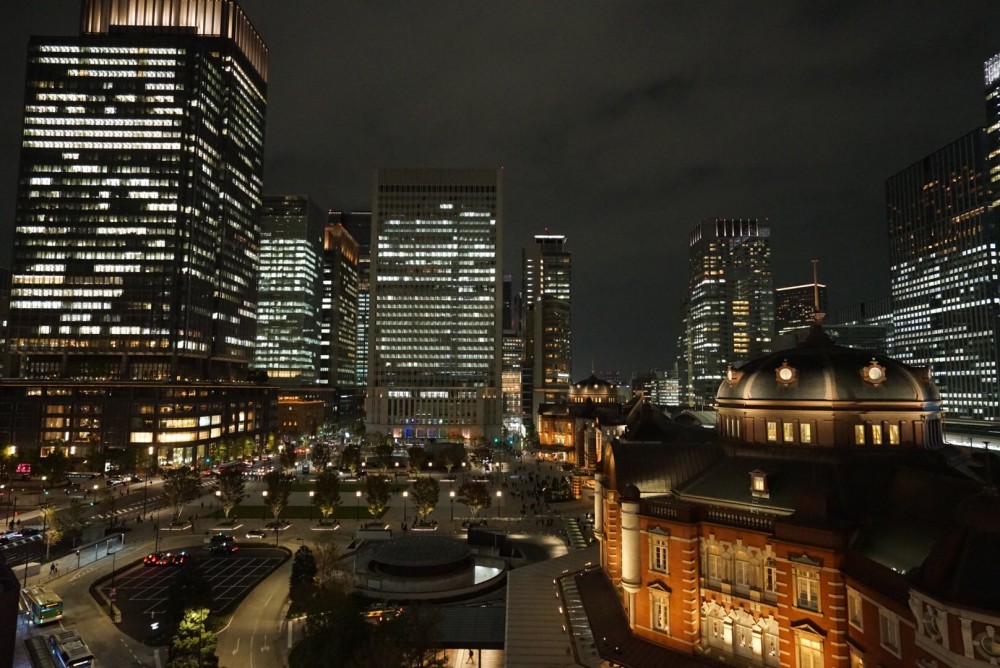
[[499, 499], [145, 494], [218, 503], [312, 495], [405, 494], [357, 495], [451, 494], [263, 512]]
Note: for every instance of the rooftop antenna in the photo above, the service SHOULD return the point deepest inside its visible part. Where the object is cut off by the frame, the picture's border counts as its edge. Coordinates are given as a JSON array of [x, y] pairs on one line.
[[817, 313]]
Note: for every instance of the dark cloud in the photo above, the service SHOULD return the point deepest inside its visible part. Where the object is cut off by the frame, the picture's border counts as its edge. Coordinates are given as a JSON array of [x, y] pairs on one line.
[[619, 124]]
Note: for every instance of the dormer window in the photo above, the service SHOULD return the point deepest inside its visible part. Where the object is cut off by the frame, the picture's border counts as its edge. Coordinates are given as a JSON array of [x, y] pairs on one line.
[[758, 484]]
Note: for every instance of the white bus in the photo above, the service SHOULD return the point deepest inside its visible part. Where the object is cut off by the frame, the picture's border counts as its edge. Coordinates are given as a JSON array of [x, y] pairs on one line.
[[69, 650]]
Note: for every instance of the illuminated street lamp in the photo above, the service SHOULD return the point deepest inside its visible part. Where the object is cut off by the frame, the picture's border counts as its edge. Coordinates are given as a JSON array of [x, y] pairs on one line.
[[218, 503], [452, 495], [405, 494], [499, 499], [357, 495], [312, 494], [263, 514]]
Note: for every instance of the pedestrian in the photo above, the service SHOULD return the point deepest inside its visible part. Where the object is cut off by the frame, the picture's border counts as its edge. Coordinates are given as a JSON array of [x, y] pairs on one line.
[[52, 569], [472, 657]]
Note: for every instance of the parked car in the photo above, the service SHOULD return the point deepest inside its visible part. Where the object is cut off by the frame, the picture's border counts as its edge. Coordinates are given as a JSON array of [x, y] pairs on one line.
[[255, 533], [165, 559]]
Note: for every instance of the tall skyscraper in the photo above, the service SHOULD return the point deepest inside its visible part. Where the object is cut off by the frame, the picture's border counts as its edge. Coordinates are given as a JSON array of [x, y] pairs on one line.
[[944, 264], [137, 232], [434, 371], [135, 253], [795, 305], [340, 309], [513, 356], [547, 281], [359, 225], [730, 304], [290, 289], [991, 70]]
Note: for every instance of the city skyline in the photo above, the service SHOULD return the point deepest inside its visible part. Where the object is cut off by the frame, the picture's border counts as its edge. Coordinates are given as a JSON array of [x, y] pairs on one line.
[[643, 120]]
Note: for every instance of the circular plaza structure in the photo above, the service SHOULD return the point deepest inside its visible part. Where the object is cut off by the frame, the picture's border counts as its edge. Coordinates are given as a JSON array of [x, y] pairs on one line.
[[425, 567]]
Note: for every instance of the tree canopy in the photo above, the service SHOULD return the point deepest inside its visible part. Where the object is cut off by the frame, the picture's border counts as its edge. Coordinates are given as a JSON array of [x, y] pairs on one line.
[[425, 495], [279, 486], [179, 485], [232, 486], [327, 496], [377, 489], [475, 496]]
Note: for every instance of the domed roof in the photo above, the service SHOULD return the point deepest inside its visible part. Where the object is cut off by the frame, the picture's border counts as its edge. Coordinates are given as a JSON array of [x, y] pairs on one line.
[[592, 382], [819, 370]]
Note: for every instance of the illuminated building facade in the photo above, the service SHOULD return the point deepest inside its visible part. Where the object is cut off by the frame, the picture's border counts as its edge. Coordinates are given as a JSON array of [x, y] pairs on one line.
[[129, 425], [435, 358], [547, 282], [659, 386], [825, 524], [794, 306], [136, 240], [730, 304], [359, 225], [944, 268], [291, 288], [576, 430], [513, 357], [340, 308], [991, 71]]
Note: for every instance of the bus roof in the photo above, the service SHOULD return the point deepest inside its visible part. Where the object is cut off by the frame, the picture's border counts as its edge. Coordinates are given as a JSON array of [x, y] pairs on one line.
[[41, 595], [71, 643]]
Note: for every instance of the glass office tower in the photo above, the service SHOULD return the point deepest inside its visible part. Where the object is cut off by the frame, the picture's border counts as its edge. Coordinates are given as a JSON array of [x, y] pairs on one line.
[[729, 317], [434, 363], [290, 289], [135, 252], [943, 239], [547, 281]]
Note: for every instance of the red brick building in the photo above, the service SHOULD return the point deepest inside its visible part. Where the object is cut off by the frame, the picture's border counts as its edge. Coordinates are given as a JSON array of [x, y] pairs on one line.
[[825, 525]]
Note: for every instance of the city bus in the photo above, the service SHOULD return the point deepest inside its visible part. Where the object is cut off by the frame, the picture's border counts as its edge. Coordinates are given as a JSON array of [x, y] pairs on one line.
[[42, 605], [69, 650]]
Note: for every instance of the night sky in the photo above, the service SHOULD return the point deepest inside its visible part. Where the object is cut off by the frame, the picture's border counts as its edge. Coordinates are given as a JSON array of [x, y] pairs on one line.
[[619, 124]]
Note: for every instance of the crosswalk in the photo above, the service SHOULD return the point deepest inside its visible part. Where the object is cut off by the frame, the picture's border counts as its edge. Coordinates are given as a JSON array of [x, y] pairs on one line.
[[14, 542], [133, 508]]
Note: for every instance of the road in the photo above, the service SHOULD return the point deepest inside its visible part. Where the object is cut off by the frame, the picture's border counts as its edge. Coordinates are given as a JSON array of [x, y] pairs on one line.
[[257, 635]]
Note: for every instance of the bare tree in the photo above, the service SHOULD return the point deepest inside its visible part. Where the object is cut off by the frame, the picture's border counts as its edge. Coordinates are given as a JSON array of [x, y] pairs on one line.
[[326, 553]]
